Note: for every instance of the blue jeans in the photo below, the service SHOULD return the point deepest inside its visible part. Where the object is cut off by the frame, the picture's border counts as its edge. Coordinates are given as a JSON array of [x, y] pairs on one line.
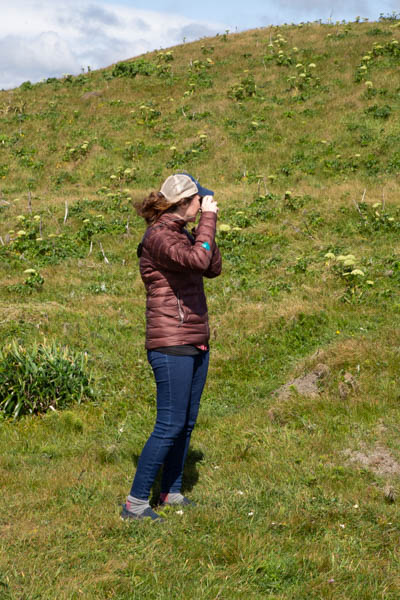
[[180, 381]]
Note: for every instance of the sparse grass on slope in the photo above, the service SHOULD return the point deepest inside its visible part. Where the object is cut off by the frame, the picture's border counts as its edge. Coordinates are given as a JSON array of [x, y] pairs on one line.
[[297, 130]]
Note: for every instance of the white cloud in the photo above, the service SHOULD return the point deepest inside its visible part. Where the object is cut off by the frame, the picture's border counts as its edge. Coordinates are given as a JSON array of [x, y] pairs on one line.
[[52, 37], [310, 10]]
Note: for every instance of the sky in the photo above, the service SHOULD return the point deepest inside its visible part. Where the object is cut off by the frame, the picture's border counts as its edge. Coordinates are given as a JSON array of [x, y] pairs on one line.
[[49, 38]]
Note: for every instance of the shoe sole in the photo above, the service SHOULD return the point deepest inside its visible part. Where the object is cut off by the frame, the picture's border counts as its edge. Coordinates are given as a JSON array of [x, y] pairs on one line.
[[126, 515]]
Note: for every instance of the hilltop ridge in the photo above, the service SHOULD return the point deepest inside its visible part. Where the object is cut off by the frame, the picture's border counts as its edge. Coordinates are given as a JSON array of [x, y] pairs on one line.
[[290, 104]]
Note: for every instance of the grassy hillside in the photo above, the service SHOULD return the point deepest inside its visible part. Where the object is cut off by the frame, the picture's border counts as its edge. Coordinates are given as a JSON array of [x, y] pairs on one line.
[[297, 129]]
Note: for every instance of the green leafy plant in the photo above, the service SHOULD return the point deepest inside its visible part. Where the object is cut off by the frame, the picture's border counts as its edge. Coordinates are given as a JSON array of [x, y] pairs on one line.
[[25, 156], [245, 89], [354, 277], [165, 56], [279, 56], [377, 217], [29, 242], [34, 280], [147, 114], [163, 68], [199, 73], [4, 169], [26, 85], [41, 377], [390, 50], [379, 112], [122, 175], [304, 79], [139, 149], [136, 67], [377, 31], [207, 50], [193, 153], [63, 177], [77, 152], [91, 226]]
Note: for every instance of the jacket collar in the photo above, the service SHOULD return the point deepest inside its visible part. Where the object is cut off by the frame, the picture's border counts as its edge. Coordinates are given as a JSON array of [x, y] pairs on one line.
[[171, 221]]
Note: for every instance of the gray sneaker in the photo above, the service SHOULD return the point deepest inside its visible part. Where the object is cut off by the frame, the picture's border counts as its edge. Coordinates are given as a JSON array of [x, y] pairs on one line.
[[147, 513], [184, 502]]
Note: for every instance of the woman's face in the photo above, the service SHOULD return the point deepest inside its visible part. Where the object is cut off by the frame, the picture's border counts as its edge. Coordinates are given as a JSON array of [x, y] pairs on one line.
[[188, 212]]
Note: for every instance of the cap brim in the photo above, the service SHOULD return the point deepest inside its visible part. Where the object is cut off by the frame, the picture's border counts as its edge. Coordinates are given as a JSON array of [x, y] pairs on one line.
[[204, 191]]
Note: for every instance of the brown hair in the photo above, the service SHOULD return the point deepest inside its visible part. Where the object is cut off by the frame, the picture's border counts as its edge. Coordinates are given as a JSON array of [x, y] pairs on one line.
[[155, 204]]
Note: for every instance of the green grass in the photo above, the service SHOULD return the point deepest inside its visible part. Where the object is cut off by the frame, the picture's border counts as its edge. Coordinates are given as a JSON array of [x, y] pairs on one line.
[[303, 167]]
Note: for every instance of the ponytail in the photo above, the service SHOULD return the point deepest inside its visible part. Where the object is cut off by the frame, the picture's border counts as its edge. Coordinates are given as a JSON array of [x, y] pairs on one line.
[[154, 205]]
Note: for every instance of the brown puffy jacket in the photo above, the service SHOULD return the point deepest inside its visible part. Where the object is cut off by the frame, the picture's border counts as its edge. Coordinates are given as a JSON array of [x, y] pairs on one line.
[[172, 265]]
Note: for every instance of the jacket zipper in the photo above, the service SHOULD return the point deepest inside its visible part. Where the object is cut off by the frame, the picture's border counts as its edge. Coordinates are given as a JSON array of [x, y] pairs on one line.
[[180, 311]]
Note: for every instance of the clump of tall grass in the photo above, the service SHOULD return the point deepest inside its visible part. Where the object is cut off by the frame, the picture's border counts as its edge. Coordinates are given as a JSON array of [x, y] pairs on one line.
[[41, 377]]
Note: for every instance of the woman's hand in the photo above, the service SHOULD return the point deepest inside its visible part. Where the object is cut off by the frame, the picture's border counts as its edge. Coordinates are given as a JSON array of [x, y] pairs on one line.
[[209, 204]]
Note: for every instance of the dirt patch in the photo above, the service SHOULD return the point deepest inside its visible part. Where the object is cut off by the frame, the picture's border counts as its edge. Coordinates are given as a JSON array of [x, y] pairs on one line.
[[308, 385], [89, 95], [379, 460]]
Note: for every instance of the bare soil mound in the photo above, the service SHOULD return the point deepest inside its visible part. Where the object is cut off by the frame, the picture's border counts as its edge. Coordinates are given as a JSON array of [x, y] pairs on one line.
[[308, 385], [379, 460]]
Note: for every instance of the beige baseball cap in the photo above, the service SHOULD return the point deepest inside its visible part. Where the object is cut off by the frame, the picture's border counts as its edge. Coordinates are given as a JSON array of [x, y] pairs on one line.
[[182, 185]]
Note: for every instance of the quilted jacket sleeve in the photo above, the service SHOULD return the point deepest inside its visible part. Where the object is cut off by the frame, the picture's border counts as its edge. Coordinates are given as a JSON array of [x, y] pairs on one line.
[[215, 264], [173, 251]]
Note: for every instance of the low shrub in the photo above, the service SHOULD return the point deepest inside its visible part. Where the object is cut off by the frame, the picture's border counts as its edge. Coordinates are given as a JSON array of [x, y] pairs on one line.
[[42, 377], [133, 68]]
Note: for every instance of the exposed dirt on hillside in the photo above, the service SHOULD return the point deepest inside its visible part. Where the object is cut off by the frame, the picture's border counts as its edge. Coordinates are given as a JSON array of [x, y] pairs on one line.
[[379, 460], [307, 385]]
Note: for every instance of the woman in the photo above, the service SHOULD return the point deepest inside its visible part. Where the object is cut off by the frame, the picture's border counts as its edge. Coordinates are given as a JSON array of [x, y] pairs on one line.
[[172, 265]]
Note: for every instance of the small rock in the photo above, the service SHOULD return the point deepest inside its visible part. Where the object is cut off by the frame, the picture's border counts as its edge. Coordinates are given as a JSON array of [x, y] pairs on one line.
[[389, 273], [343, 390], [321, 370], [351, 381], [271, 414], [390, 494], [381, 427]]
